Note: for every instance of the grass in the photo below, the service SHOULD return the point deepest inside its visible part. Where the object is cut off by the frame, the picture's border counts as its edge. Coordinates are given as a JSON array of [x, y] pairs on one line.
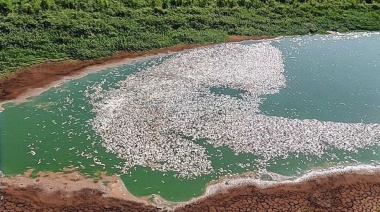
[[52, 30]]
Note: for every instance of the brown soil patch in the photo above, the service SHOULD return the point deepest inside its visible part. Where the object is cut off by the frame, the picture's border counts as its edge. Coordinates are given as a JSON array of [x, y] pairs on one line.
[[42, 75], [339, 192], [69, 181], [32, 198]]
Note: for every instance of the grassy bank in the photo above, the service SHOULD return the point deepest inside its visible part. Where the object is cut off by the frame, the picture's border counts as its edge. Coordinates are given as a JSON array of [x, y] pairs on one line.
[[34, 31]]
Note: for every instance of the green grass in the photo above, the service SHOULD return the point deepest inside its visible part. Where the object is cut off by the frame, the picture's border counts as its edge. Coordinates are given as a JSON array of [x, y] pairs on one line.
[[35, 31]]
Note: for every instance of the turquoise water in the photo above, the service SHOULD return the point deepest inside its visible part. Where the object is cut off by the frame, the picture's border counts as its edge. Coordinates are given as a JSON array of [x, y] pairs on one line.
[[228, 91], [327, 79]]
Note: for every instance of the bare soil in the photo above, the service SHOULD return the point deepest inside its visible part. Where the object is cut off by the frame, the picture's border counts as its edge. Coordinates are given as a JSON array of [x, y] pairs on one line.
[[340, 192]]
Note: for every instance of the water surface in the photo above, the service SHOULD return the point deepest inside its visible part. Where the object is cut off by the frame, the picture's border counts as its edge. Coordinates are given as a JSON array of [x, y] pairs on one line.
[[328, 78]]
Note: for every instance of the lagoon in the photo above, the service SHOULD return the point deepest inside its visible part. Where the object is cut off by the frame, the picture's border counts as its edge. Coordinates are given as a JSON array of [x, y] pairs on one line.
[[332, 78]]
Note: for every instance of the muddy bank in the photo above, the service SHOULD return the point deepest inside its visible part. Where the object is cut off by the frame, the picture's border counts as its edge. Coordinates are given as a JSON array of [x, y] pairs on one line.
[[33, 198], [42, 75], [68, 190], [338, 192]]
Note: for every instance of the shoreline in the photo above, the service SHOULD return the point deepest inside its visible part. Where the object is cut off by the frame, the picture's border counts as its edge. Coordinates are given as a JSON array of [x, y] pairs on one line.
[[328, 189], [319, 187], [32, 81], [69, 180], [250, 179], [355, 188], [67, 190]]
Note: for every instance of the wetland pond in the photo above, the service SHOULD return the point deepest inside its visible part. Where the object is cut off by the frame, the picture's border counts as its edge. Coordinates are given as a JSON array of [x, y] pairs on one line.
[[172, 123]]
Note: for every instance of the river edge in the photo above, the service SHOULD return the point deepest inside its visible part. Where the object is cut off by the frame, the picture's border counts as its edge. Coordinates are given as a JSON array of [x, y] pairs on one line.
[[353, 188], [29, 82], [219, 189], [32, 81], [319, 190]]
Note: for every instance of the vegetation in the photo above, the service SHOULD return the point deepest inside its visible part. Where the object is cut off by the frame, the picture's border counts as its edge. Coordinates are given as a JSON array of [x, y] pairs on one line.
[[33, 31]]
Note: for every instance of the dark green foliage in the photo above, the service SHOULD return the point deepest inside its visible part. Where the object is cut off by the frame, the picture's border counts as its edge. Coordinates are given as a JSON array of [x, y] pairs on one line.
[[33, 31]]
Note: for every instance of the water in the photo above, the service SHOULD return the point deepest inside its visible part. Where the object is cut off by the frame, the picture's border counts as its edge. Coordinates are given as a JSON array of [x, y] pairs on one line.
[[327, 78], [224, 90]]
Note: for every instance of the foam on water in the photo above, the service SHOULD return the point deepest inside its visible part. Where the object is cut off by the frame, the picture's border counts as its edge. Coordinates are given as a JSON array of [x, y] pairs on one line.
[[145, 120]]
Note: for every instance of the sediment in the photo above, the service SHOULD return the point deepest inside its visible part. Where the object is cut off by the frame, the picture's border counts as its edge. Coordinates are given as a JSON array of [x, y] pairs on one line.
[[33, 198], [340, 192]]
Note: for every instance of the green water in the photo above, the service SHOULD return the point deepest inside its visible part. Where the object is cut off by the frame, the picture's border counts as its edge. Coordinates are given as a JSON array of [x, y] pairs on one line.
[[224, 90], [327, 79]]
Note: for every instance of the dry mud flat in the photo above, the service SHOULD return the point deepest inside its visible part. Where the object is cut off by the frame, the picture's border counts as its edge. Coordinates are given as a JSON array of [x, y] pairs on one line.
[[67, 191], [33, 198], [340, 192]]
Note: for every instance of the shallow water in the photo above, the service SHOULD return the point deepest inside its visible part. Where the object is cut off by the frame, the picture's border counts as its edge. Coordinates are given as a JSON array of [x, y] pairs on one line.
[[228, 91], [328, 78]]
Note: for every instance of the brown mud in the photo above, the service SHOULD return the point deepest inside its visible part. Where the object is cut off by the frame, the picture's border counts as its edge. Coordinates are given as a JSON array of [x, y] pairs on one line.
[[338, 192], [33, 198]]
